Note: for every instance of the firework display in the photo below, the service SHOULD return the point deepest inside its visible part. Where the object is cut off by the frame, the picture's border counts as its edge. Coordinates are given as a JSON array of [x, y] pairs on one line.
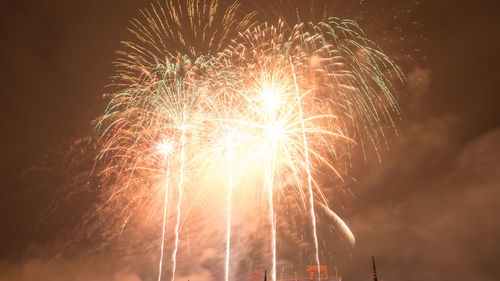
[[210, 100]]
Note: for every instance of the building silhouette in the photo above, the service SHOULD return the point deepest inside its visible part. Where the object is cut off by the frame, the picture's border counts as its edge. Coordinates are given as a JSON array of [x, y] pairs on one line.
[[312, 274]]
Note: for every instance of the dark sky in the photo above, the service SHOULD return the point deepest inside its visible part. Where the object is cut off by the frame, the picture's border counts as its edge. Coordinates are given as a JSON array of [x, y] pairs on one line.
[[428, 212]]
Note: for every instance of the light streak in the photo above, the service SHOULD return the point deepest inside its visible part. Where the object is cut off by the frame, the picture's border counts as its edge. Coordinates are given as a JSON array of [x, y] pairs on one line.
[[345, 229], [308, 170], [165, 205], [229, 203], [179, 190], [272, 219]]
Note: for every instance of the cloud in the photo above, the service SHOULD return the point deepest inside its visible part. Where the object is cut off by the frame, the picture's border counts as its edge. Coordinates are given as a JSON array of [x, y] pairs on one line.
[[419, 82], [62, 270], [435, 214]]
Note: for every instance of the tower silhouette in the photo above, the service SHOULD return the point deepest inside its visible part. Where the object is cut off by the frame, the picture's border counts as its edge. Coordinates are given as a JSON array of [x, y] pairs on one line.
[[374, 270]]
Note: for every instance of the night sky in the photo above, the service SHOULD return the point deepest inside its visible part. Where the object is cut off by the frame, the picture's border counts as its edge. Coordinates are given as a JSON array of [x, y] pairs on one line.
[[429, 211]]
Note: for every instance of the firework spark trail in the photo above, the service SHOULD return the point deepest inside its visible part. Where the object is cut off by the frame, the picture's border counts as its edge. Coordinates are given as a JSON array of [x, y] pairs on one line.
[[228, 214], [308, 168], [164, 224], [180, 189], [272, 217], [228, 153], [348, 233]]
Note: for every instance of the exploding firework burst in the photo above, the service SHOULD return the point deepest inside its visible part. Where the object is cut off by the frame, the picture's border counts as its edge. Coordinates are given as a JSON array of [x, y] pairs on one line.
[[265, 109]]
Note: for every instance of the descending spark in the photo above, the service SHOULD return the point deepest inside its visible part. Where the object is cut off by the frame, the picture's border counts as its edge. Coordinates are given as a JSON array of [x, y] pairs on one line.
[[272, 217], [165, 204], [229, 209], [341, 223], [179, 190], [165, 148], [308, 169], [228, 227]]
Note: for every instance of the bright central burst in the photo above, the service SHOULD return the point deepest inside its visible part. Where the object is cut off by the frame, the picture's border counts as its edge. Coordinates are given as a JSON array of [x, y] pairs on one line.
[[272, 111]]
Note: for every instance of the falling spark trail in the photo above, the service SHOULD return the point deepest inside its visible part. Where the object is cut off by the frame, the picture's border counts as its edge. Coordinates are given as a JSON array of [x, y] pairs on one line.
[[181, 181], [228, 223], [308, 169], [273, 229], [164, 224], [348, 233], [272, 217]]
